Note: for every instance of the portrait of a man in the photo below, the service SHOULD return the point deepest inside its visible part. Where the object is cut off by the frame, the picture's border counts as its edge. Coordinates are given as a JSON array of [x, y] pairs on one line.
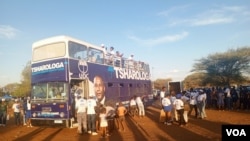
[[99, 88]]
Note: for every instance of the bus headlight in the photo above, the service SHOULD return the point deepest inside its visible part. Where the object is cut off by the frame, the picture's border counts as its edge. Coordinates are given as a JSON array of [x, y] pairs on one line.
[[34, 114], [62, 114]]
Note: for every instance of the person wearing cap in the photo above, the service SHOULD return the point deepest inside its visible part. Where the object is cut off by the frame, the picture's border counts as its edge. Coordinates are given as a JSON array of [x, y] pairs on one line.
[[17, 112], [3, 112], [81, 108]]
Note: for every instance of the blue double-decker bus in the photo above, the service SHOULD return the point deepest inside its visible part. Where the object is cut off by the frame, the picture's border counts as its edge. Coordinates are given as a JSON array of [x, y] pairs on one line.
[[60, 62]]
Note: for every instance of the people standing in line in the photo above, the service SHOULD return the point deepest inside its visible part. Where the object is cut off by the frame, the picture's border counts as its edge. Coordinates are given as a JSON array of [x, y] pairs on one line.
[[140, 106], [91, 115], [193, 102], [167, 107], [103, 122], [3, 112], [17, 112], [121, 112], [201, 100], [81, 115], [179, 106], [132, 106]]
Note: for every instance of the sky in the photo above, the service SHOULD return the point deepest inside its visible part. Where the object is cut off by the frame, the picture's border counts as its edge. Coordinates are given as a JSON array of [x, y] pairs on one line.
[[169, 35]]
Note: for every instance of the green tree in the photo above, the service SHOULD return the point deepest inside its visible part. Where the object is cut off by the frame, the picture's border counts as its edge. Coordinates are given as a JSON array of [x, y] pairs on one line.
[[159, 83], [24, 88], [194, 80], [225, 68]]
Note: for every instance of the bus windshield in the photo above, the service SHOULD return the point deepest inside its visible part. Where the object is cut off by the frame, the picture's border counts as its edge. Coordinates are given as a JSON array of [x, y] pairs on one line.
[[49, 91], [49, 51]]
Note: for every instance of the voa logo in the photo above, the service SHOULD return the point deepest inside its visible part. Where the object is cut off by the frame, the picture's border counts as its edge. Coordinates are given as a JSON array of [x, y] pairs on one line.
[[236, 132]]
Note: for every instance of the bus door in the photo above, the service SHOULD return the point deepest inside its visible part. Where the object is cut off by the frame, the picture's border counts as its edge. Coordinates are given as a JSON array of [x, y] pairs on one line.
[[84, 85]]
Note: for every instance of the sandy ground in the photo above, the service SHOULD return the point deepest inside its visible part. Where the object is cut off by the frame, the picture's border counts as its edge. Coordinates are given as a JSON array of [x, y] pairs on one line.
[[147, 129]]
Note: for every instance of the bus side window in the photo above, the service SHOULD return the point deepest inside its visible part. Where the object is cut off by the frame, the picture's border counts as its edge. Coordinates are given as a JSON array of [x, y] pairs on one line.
[[77, 51]]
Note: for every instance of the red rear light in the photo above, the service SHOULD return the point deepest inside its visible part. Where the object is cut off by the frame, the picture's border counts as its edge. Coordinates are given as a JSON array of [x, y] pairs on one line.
[[61, 106]]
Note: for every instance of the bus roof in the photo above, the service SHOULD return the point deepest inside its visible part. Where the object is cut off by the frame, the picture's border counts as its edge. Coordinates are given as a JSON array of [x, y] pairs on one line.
[[59, 38]]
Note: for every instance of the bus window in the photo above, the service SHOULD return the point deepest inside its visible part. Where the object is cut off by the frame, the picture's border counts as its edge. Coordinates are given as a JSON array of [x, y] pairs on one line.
[[77, 51], [49, 51], [95, 55], [39, 91], [110, 84], [57, 90]]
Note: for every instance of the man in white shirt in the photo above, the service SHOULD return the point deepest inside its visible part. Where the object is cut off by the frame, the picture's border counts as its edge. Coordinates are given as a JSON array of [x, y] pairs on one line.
[[201, 100], [162, 93], [193, 102], [81, 108], [140, 106], [91, 115]]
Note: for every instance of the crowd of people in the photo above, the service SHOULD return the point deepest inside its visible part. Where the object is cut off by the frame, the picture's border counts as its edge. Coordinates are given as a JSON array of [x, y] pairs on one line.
[[95, 118], [179, 107], [116, 58], [20, 109]]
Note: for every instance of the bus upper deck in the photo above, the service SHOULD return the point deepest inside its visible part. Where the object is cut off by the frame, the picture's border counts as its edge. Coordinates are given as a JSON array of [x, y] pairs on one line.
[[80, 50]]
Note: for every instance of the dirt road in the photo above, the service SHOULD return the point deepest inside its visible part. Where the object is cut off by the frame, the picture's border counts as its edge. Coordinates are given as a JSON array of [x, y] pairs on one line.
[[137, 129]]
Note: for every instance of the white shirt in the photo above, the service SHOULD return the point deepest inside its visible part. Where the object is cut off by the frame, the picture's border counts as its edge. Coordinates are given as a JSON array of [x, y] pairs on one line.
[[193, 96], [138, 100], [172, 99], [132, 102], [201, 97], [228, 92], [178, 103], [162, 94], [28, 106], [166, 101], [81, 105], [91, 103], [16, 107], [103, 120]]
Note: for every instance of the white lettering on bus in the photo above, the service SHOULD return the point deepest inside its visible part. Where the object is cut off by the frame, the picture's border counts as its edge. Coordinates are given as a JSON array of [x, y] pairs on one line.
[[123, 73], [48, 67]]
